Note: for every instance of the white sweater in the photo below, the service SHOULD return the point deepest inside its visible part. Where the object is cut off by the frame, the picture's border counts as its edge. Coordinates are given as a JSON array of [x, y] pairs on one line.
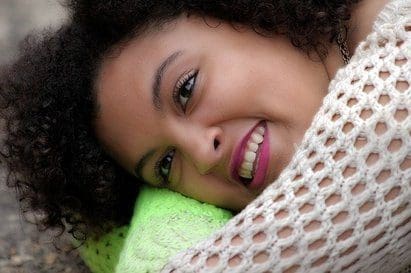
[[344, 202]]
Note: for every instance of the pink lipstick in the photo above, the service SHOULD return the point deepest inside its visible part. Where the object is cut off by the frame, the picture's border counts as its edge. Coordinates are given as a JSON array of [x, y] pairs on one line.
[[251, 157]]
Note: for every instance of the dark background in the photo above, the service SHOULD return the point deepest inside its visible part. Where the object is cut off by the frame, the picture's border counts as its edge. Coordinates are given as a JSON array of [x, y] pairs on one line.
[[23, 249]]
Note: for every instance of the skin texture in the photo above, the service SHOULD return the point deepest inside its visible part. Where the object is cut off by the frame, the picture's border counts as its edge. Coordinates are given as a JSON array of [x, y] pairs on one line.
[[243, 78]]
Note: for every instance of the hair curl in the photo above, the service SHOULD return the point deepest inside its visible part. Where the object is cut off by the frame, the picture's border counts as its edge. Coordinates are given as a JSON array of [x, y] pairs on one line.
[[48, 104]]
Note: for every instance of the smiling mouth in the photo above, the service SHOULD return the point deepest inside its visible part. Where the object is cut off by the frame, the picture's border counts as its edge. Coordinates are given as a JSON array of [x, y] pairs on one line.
[[249, 163]]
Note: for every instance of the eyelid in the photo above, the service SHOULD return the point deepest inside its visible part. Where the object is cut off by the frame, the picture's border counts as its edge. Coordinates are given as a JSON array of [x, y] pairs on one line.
[[183, 78], [181, 81]]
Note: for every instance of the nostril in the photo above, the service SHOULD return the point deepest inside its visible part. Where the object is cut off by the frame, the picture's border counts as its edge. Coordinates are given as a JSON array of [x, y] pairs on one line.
[[216, 144]]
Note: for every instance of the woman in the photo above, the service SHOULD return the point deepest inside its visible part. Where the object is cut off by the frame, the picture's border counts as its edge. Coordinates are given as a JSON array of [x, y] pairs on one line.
[[342, 204], [191, 92]]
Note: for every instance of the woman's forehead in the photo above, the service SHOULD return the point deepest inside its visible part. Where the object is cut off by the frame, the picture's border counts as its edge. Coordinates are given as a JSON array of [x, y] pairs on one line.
[[134, 64], [182, 31], [131, 72]]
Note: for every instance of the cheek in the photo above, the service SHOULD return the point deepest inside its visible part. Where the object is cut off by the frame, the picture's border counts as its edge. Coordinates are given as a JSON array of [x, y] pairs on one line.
[[225, 97], [212, 189], [297, 92]]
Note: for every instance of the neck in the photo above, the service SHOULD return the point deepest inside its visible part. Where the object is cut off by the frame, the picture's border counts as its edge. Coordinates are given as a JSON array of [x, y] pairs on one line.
[[360, 25]]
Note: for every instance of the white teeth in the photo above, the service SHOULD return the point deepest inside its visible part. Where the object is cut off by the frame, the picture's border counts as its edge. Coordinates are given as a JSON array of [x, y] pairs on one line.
[[250, 156], [260, 130], [257, 138], [245, 174], [252, 146], [248, 175], [246, 168]]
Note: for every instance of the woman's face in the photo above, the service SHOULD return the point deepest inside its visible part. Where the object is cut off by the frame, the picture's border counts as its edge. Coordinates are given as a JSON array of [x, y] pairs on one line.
[[207, 110]]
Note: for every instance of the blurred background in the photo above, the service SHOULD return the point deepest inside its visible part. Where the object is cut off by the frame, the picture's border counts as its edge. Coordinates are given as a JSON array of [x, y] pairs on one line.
[[23, 249]]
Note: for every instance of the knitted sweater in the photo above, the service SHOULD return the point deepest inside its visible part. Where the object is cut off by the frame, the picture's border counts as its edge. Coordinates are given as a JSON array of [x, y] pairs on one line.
[[344, 202]]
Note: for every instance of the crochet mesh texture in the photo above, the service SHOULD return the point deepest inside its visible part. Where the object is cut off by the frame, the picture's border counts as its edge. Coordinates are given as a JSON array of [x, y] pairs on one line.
[[344, 202]]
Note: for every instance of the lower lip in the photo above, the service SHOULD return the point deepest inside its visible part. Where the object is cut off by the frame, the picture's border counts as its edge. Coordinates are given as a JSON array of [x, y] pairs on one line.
[[262, 162]]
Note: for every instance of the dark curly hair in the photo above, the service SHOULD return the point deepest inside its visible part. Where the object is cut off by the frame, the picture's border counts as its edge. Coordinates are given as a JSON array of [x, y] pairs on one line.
[[47, 100]]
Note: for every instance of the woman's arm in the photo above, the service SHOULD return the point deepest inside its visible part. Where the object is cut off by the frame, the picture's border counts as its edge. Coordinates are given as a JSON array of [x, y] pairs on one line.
[[344, 202]]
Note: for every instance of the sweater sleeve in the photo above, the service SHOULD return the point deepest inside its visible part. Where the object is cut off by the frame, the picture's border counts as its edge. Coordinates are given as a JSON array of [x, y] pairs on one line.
[[344, 202]]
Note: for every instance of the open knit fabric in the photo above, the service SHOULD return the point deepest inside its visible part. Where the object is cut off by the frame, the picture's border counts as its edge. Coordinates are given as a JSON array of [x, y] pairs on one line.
[[344, 202]]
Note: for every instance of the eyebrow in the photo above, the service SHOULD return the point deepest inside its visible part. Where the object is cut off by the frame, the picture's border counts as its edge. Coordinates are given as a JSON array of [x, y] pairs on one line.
[[158, 77], [138, 169]]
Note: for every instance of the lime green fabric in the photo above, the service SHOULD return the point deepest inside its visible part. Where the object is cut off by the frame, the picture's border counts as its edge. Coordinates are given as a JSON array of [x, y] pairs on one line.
[[102, 256], [164, 223]]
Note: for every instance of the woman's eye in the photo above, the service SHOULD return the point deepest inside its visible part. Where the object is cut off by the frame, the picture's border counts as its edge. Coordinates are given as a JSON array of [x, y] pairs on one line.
[[164, 166], [184, 89]]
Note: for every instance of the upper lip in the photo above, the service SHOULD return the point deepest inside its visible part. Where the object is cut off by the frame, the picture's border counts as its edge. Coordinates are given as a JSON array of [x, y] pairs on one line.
[[238, 154]]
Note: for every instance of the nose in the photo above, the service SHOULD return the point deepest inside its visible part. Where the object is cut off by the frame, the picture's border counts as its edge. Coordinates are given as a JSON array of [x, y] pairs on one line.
[[202, 146]]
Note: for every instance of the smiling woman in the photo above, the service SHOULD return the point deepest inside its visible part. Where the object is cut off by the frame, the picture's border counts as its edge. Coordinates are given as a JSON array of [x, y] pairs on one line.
[[200, 100], [211, 99], [162, 93]]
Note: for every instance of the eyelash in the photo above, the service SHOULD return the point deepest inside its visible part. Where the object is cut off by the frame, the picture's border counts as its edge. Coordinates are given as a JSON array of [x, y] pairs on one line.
[[183, 81]]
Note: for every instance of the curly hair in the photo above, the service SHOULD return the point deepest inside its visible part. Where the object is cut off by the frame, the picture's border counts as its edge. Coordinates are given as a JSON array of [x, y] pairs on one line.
[[48, 104]]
